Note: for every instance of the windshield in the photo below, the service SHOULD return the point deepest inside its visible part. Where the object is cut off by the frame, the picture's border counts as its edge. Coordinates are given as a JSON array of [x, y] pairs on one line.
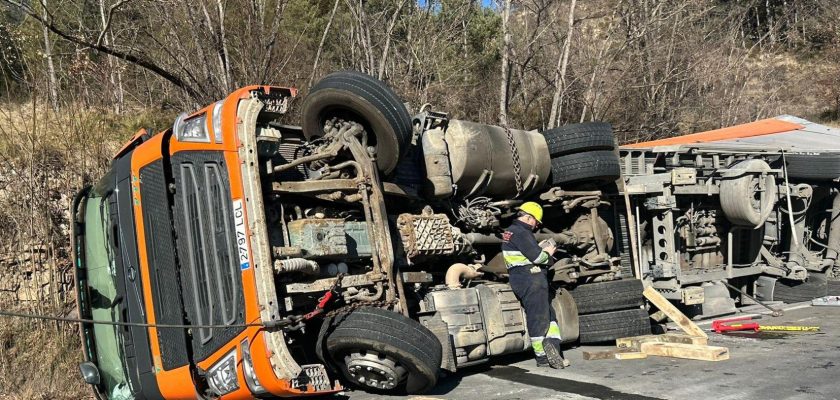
[[103, 301]]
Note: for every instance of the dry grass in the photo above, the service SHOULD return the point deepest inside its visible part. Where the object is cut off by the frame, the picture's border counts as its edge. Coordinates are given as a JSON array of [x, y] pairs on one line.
[[40, 361], [45, 157]]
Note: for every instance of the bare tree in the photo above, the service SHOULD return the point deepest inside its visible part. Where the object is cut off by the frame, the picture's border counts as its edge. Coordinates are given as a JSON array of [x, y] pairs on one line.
[[52, 82], [560, 71], [505, 75], [391, 24], [321, 44]]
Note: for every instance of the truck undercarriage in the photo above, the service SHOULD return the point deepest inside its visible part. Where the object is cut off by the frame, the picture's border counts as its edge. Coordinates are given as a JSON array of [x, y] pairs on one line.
[[410, 243], [758, 218], [372, 238]]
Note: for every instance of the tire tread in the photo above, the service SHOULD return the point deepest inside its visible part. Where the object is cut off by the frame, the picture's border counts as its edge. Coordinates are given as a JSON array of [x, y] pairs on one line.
[[577, 138], [608, 326], [608, 296], [600, 166]]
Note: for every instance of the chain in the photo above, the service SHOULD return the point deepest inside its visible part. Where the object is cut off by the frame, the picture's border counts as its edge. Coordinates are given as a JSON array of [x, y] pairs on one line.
[[517, 167]]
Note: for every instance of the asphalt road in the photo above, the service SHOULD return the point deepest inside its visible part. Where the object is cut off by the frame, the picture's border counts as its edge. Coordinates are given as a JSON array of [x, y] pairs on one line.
[[794, 366]]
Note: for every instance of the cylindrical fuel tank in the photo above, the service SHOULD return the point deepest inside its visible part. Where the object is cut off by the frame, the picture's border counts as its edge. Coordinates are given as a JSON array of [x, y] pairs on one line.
[[482, 162]]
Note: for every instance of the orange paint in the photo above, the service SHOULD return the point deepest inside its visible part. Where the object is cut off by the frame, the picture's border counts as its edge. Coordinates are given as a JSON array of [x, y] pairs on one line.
[[758, 128], [176, 383]]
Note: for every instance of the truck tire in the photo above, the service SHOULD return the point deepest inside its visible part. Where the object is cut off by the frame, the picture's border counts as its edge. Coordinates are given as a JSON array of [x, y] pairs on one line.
[[740, 199], [578, 138], [600, 166], [364, 99], [813, 166], [608, 296], [796, 291], [609, 326], [833, 288], [403, 354]]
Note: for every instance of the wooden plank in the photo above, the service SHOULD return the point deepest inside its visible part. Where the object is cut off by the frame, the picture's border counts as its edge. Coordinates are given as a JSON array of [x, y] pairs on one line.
[[630, 355], [688, 351], [658, 316], [635, 341], [673, 313], [603, 355]]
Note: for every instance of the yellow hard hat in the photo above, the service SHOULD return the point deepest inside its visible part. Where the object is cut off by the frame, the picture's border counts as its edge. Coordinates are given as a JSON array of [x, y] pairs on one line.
[[534, 209]]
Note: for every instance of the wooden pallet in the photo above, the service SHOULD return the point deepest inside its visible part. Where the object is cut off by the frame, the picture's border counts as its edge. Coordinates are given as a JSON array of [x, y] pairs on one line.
[[692, 345]]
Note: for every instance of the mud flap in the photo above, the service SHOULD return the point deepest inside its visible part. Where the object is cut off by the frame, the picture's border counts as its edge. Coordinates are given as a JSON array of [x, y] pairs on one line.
[[567, 315]]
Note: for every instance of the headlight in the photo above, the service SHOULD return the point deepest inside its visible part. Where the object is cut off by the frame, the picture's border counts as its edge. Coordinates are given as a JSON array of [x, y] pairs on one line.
[[248, 367], [221, 377], [217, 122], [191, 130]]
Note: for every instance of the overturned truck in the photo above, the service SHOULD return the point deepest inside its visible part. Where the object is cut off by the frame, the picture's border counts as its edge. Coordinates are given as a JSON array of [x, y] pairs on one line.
[[362, 246]]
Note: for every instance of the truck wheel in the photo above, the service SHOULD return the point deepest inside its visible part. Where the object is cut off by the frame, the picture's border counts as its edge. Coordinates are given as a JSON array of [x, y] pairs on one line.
[[380, 350], [833, 288], [600, 166], [740, 198], [609, 326], [358, 97], [796, 291], [608, 296], [813, 166], [578, 138]]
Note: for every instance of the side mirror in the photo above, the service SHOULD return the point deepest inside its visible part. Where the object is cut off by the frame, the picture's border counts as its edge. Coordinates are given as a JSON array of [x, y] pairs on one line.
[[90, 373]]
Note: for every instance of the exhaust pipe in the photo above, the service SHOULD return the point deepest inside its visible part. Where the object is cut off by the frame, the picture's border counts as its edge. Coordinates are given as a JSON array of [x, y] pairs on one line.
[[461, 271]]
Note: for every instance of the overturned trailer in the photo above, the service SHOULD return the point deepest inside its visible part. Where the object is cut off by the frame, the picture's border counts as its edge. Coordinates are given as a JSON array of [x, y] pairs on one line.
[[362, 245], [754, 205]]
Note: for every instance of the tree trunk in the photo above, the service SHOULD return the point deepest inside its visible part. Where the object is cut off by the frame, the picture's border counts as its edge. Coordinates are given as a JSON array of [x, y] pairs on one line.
[[321, 45], [114, 75], [385, 48], [560, 71], [225, 56], [51, 79], [503, 84]]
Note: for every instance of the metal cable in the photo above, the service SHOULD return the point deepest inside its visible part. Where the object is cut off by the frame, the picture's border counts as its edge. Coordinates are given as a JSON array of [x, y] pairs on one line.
[[270, 324]]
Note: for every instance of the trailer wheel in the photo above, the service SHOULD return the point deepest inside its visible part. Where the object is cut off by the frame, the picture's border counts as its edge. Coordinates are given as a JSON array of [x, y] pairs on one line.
[[600, 166], [364, 99], [609, 326], [740, 198], [578, 138], [383, 351], [608, 296], [796, 291]]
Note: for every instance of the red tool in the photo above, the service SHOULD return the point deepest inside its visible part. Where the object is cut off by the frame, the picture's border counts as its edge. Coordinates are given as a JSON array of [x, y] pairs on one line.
[[726, 325]]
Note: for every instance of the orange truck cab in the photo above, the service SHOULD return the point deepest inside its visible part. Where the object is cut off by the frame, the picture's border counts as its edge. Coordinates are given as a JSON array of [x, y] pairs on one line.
[[161, 239]]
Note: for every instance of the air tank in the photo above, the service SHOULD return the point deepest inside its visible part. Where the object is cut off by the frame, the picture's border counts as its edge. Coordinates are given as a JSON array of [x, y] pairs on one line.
[[481, 159]]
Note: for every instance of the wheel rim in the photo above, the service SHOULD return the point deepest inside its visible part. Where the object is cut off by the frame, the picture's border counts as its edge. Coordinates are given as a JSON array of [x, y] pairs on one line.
[[372, 369]]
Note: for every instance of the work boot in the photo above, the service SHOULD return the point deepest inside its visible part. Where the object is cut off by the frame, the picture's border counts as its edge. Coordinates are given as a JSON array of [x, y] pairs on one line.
[[542, 361], [554, 354]]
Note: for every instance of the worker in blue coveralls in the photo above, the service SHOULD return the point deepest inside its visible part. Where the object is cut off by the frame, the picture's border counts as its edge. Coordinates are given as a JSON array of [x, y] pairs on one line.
[[527, 264]]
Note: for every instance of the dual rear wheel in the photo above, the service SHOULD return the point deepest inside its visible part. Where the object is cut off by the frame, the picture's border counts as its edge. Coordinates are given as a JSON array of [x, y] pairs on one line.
[[583, 154]]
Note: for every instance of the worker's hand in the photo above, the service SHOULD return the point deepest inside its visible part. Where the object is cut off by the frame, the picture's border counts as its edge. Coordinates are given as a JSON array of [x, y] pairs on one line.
[[550, 249]]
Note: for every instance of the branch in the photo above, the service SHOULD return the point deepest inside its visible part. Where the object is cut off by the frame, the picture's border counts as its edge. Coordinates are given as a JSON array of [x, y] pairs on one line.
[[145, 64], [107, 25]]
